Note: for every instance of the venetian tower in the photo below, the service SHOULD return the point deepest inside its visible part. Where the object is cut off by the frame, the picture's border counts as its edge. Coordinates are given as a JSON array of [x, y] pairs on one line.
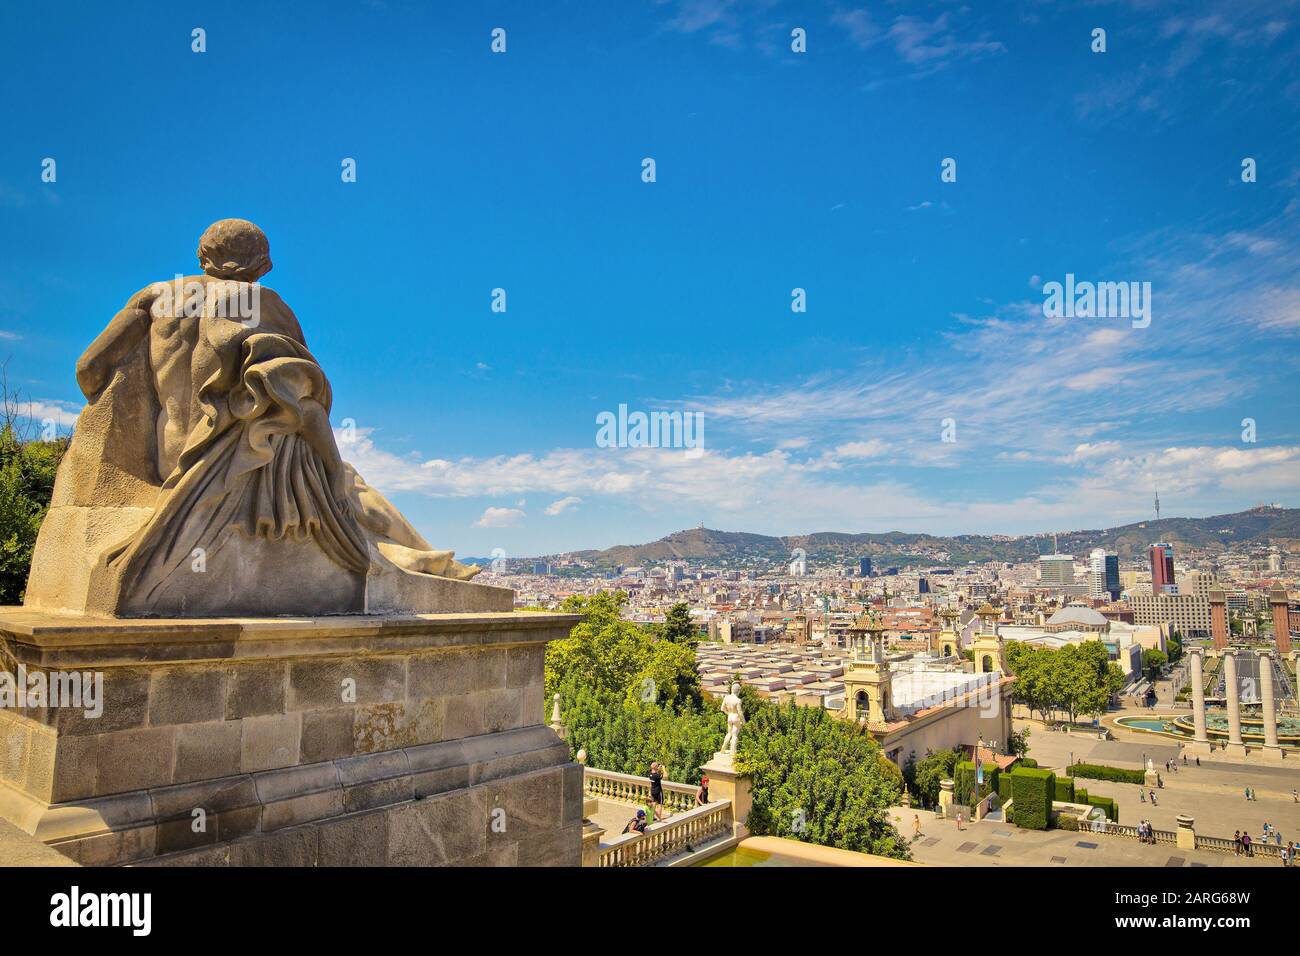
[[987, 646], [867, 684], [947, 641]]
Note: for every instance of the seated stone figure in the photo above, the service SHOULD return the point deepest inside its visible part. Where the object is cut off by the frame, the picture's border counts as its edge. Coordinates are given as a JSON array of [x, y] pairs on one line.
[[203, 478]]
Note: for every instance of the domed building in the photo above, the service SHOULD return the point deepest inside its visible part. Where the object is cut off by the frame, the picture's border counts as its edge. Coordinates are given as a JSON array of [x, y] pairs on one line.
[[1077, 617]]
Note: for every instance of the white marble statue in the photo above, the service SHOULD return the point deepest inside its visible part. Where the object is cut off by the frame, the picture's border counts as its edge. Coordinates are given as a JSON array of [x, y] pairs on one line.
[[735, 720]]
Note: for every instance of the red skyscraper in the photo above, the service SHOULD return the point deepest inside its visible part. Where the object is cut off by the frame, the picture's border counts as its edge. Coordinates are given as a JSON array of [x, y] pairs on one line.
[[1162, 567]]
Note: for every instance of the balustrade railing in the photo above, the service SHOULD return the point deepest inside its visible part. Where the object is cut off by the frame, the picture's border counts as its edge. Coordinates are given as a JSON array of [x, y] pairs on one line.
[[1218, 844], [668, 838], [624, 787]]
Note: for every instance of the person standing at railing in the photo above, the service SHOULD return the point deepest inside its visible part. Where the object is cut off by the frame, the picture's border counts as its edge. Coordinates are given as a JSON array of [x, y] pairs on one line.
[[702, 794], [657, 790]]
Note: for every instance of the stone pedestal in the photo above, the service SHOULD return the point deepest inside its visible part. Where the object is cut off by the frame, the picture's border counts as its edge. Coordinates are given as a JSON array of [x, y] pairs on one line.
[[1151, 778], [726, 784], [351, 740], [946, 798], [591, 834], [1185, 835]]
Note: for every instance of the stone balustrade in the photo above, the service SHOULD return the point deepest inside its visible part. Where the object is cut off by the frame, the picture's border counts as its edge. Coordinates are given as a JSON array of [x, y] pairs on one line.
[[626, 788], [1218, 844], [668, 838]]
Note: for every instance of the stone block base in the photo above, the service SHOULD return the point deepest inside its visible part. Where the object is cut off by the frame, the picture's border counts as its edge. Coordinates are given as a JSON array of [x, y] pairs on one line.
[[313, 742]]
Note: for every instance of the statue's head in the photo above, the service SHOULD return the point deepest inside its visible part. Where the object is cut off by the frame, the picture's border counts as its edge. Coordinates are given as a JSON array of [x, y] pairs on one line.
[[234, 249], [735, 689]]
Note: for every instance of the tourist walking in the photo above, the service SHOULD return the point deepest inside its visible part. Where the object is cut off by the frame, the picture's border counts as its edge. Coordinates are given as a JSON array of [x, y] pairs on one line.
[[1198, 761], [1295, 796], [1142, 794], [1290, 853], [959, 822], [916, 826], [1153, 799], [1236, 842]]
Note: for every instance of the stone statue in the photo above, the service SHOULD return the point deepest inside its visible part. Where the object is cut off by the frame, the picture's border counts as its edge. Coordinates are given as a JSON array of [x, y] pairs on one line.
[[1151, 765], [203, 477], [735, 720]]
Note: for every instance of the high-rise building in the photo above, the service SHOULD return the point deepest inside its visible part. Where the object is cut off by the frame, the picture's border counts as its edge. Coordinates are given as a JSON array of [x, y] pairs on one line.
[[1162, 569], [1056, 570], [864, 567], [1187, 613], [1103, 575]]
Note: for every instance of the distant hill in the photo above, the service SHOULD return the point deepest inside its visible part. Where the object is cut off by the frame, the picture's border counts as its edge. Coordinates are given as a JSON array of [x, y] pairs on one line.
[[1258, 526]]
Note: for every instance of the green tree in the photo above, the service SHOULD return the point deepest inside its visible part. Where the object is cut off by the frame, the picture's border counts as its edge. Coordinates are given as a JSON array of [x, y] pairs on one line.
[[678, 626], [819, 779], [929, 770], [1153, 660], [1019, 743], [27, 470]]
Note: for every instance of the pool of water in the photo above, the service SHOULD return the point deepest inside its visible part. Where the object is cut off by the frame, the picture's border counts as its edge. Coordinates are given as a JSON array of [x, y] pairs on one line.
[[1145, 723], [743, 856], [1216, 722]]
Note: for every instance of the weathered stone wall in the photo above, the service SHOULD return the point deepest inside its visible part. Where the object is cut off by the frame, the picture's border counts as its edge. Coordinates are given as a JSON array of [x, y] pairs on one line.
[[316, 731]]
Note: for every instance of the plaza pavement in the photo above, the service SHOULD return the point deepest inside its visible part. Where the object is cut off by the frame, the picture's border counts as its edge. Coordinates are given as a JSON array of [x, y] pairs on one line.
[[1213, 793], [995, 843]]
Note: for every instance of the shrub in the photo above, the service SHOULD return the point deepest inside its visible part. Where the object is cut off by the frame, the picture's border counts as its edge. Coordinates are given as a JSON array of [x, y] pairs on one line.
[[1092, 771], [1064, 790], [1029, 762], [1065, 821], [1080, 795], [964, 782], [1108, 806], [1004, 787], [1032, 791]]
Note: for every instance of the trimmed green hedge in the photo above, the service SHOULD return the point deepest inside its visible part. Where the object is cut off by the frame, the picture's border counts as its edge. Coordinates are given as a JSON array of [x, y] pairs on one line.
[[1092, 771], [1064, 790], [964, 782], [1108, 806], [1080, 795], [1004, 786], [1031, 792], [1029, 762]]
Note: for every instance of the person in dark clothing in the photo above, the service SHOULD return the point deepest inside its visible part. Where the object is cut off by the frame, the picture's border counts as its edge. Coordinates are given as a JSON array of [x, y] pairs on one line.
[[657, 789], [702, 794], [637, 824]]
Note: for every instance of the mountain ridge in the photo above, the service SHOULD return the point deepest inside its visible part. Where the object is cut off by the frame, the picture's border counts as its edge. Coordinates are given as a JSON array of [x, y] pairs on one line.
[[1260, 525]]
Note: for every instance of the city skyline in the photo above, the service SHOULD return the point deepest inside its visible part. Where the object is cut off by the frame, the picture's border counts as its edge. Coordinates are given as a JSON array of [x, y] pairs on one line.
[[775, 171]]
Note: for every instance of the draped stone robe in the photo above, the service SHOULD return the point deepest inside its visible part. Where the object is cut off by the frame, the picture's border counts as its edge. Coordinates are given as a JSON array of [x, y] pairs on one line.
[[257, 514]]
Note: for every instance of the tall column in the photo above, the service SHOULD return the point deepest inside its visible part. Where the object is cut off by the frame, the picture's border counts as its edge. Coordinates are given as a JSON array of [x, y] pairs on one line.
[[1219, 618], [1280, 606], [1266, 696], [1235, 745], [1198, 698]]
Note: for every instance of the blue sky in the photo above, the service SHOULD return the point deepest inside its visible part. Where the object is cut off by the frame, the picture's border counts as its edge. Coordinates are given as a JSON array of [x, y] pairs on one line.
[[775, 170]]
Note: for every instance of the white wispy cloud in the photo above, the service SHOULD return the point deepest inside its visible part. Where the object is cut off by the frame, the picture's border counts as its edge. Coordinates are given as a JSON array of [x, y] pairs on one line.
[[499, 518]]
